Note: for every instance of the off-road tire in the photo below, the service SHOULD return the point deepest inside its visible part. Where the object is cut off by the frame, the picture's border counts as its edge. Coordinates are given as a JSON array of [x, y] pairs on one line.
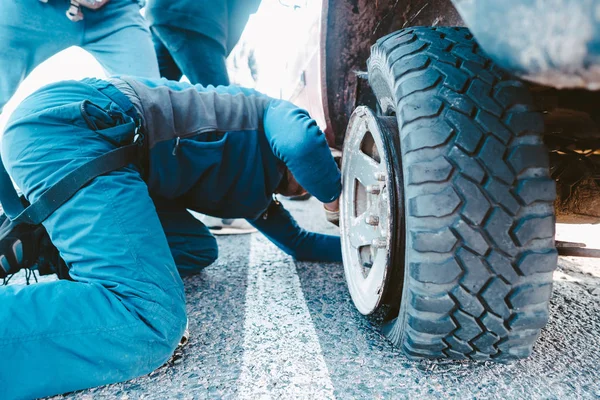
[[479, 219]]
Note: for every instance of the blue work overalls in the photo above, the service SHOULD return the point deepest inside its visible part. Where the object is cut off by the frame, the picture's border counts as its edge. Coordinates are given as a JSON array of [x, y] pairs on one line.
[[194, 37], [125, 234], [31, 32]]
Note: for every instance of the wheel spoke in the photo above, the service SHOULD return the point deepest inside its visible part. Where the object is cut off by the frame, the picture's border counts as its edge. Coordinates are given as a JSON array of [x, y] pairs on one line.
[[373, 282], [361, 233], [366, 169]]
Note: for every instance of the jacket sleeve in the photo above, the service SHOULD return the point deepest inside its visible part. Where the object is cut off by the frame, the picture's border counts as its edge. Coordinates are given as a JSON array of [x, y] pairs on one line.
[[280, 228], [296, 139]]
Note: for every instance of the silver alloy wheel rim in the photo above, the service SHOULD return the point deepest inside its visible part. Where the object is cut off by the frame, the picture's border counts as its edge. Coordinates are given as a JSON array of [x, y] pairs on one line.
[[366, 211]]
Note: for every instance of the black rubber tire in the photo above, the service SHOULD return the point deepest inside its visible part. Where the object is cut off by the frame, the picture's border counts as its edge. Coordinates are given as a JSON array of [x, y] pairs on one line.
[[479, 219]]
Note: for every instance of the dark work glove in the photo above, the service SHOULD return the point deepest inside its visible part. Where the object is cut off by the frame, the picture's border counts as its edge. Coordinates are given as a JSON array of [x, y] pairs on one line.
[[28, 246]]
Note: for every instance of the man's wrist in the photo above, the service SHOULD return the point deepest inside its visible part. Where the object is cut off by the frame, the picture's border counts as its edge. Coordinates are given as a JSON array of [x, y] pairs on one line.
[[333, 205], [332, 211]]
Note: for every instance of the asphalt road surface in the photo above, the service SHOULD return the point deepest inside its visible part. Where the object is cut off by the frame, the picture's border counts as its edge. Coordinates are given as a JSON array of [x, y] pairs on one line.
[[264, 326]]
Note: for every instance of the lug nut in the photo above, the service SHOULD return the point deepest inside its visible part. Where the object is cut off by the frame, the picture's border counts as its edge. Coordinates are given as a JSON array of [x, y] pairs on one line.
[[373, 189], [372, 220], [380, 176], [379, 242]]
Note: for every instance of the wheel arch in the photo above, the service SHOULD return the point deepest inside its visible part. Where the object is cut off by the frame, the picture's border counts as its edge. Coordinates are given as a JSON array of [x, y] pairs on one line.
[[348, 29]]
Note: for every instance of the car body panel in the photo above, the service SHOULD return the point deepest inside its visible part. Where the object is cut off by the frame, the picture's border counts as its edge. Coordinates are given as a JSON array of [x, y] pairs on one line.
[[551, 42]]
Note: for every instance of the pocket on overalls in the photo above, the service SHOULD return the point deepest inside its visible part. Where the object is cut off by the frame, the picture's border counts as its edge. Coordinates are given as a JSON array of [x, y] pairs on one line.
[[112, 124]]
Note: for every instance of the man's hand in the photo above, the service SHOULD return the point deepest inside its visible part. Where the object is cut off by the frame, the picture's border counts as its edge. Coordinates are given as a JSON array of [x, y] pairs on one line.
[[332, 211], [74, 12], [93, 4]]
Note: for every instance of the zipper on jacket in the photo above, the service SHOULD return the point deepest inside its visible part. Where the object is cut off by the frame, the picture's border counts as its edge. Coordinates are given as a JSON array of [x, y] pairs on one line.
[[176, 147]]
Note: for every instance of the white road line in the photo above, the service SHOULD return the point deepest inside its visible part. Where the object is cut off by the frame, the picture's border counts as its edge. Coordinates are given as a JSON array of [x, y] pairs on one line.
[[282, 355]]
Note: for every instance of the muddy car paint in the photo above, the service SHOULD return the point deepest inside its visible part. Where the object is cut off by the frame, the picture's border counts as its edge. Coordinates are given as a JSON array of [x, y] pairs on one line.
[[551, 42]]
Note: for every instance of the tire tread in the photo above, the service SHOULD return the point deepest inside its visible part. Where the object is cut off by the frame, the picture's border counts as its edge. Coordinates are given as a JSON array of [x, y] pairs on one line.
[[480, 198]]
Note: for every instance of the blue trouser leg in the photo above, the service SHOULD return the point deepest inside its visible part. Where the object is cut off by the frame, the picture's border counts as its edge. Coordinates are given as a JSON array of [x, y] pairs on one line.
[[192, 245], [200, 58], [30, 33], [166, 64], [125, 312], [239, 12], [119, 37]]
